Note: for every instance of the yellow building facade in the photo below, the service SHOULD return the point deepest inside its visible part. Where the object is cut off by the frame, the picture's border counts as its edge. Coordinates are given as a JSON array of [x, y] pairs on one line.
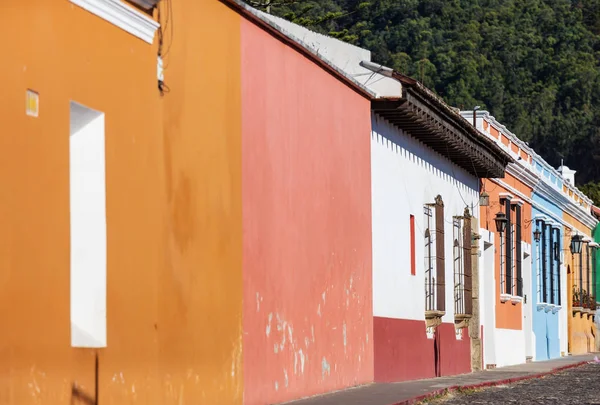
[[581, 304]]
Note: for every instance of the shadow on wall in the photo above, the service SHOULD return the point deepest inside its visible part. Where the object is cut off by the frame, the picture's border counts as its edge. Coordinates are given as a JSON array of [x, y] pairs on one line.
[[403, 143], [79, 397]]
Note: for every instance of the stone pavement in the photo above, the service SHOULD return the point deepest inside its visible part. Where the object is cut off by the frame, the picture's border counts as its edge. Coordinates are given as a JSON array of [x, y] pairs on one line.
[[574, 386], [411, 392]]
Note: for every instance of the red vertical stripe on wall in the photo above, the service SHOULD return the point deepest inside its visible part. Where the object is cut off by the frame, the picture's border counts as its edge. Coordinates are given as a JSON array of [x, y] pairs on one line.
[[413, 265]]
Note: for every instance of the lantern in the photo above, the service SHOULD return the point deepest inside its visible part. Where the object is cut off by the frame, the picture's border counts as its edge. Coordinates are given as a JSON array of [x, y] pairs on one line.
[[484, 199], [576, 244], [537, 234], [501, 222]]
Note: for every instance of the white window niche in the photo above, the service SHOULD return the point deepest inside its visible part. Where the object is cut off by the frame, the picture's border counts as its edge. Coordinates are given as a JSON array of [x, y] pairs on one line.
[[88, 227]]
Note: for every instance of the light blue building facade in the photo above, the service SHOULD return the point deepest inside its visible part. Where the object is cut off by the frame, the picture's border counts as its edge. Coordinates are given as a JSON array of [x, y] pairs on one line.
[[548, 274]]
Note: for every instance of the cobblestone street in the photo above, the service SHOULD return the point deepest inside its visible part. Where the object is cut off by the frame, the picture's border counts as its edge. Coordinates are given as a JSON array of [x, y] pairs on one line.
[[574, 386]]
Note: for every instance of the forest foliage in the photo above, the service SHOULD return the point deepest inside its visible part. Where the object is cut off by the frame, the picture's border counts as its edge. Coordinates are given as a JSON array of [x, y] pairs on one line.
[[534, 64]]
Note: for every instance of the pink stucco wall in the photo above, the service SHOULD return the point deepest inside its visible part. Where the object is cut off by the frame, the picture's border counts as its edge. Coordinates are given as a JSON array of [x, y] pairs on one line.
[[306, 192]]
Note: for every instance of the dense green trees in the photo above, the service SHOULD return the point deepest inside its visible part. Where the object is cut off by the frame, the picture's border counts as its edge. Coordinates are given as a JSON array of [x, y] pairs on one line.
[[534, 64]]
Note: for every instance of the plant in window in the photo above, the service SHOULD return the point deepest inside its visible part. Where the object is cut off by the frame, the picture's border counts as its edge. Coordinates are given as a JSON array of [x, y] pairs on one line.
[[576, 297]]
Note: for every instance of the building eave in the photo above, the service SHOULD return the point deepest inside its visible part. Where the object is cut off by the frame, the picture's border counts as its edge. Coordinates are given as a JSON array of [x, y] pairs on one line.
[[427, 118]]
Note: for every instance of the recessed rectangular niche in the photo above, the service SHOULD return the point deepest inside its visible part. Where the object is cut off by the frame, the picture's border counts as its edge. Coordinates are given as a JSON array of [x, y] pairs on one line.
[[88, 227]]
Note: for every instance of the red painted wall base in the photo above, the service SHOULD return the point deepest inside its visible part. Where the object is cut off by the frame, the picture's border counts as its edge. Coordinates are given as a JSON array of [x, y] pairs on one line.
[[403, 351]]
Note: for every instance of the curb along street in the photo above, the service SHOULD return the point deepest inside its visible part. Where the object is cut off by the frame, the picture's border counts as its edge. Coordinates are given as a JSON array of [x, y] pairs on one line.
[[486, 384]]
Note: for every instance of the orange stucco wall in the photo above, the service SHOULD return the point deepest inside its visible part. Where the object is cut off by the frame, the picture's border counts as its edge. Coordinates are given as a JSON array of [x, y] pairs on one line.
[[508, 315], [308, 323], [582, 329], [173, 179]]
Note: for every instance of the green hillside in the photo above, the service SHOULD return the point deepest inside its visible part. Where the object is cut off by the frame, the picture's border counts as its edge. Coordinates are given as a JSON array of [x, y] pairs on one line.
[[534, 64]]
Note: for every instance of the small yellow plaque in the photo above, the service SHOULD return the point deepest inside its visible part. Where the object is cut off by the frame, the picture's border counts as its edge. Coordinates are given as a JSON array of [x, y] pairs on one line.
[[32, 103]]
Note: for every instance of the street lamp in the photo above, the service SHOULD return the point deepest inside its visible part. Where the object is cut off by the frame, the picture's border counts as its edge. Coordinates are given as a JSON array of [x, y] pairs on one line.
[[537, 234], [501, 222], [576, 244]]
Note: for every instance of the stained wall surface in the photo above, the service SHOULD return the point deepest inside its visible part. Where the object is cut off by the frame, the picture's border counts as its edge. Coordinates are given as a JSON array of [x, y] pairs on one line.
[[200, 281], [306, 226], [173, 191]]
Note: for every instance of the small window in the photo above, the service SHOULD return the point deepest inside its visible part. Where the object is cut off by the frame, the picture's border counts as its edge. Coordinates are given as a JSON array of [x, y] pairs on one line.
[[459, 275], [413, 265]]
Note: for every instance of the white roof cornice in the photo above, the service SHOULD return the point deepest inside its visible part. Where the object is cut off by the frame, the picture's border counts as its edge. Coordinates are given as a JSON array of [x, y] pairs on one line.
[[123, 16]]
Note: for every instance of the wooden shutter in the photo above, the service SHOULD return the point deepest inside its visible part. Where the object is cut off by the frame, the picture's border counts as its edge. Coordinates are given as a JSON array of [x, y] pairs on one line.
[[440, 266], [508, 248], [543, 259], [468, 268], [519, 278], [558, 299]]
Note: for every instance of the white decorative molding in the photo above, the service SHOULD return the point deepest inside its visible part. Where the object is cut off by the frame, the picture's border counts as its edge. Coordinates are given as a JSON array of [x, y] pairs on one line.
[[505, 297], [559, 199], [123, 16], [517, 202], [515, 299], [523, 172], [538, 206], [507, 196]]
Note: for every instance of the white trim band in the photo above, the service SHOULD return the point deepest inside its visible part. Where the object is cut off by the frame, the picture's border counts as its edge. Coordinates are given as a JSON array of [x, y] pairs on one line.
[[122, 16]]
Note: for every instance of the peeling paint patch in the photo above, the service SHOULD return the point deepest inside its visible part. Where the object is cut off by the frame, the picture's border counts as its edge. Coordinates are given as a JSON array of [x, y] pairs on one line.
[[325, 368], [319, 310], [257, 302], [282, 345], [285, 378], [290, 334], [344, 333], [302, 360], [312, 331], [268, 331], [295, 363], [306, 341], [276, 386], [323, 296], [275, 348]]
